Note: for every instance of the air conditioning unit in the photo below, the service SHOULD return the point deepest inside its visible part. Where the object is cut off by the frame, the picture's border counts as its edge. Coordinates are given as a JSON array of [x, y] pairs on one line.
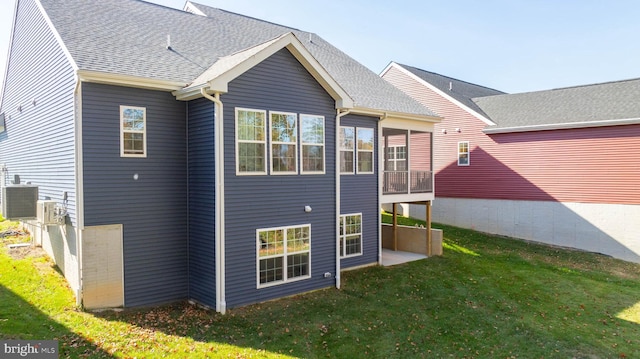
[[19, 201], [47, 212]]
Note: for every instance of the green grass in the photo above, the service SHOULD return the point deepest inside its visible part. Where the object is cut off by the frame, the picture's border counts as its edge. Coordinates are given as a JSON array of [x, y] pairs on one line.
[[487, 297]]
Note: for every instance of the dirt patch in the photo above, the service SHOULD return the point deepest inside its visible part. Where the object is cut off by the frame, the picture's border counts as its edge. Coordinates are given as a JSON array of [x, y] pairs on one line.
[[22, 252]]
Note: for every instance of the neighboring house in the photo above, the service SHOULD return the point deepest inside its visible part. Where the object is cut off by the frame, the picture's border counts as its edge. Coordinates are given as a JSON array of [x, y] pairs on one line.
[[199, 154], [557, 166]]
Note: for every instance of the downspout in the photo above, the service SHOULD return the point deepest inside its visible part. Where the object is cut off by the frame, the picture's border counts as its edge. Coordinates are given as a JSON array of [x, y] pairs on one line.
[[339, 116], [79, 188], [221, 304], [381, 159]]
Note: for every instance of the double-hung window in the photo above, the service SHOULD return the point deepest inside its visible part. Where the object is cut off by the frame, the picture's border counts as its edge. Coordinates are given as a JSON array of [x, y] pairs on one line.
[[364, 138], [133, 131], [284, 254], [347, 146], [251, 141], [312, 143], [351, 235], [284, 134], [463, 153]]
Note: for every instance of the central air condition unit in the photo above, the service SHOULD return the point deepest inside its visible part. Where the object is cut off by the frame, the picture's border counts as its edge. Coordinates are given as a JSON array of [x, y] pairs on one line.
[[47, 212], [19, 201]]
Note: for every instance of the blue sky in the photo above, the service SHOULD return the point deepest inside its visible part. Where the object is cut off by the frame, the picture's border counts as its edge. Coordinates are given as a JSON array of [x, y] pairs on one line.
[[509, 45]]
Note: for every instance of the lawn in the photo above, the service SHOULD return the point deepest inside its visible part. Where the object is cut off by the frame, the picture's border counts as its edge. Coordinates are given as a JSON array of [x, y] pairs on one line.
[[487, 297]]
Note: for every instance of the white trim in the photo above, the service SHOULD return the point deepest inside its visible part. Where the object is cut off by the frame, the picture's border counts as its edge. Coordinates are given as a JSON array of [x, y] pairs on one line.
[[562, 126], [55, 33], [468, 154], [343, 236], [339, 115], [190, 7], [395, 115], [271, 142], [283, 255], [323, 144], [380, 184], [79, 186], [129, 81], [438, 91], [340, 150], [144, 132], [372, 151], [266, 141]]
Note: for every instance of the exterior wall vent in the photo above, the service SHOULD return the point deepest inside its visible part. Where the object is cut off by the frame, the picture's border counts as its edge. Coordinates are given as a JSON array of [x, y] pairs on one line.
[[19, 202]]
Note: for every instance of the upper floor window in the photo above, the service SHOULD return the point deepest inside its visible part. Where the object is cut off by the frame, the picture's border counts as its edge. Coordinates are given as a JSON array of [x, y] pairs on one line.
[[251, 146], [312, 143], [284, 132], [463, 153], [364, 138], [293, 143], [283, 254], [133, 131], [347, 146]]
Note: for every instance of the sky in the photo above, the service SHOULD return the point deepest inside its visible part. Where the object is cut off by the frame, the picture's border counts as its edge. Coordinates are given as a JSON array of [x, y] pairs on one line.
[[509, 45]]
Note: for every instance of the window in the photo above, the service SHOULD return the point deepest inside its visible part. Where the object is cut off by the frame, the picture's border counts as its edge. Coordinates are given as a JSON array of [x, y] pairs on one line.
[[284, 133], [312, 143], [347, 142], [133, 131], [396, 158], [365, 150], [283, 254], [351, 235], [463, 153], [251, 141]]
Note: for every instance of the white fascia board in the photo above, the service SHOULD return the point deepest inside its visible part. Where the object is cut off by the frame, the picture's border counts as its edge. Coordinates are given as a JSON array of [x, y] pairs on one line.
[[562, 126], [192, 8], [128, 81], [439, 92], [395, 115]]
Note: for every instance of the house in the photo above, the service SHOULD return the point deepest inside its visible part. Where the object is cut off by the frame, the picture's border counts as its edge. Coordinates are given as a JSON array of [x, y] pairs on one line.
[[556, 166], [198, 154]]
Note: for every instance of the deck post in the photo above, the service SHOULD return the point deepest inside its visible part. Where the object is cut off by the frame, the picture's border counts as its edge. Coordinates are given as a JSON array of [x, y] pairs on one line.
[[395, 226], [428, 220]]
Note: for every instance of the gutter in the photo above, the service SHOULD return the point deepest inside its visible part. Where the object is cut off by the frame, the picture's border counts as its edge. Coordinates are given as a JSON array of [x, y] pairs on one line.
[[221, 304], [562, 126]]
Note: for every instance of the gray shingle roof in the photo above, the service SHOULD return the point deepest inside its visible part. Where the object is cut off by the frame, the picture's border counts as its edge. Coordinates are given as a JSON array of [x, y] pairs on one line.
[[618, 100], [129, 37], [460, 90]]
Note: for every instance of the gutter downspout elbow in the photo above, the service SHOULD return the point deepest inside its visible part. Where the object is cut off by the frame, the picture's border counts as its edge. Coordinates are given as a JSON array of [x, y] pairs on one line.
[[221, 304]]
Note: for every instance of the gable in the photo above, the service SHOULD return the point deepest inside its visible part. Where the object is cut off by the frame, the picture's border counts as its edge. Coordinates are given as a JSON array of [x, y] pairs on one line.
[[217, 77]]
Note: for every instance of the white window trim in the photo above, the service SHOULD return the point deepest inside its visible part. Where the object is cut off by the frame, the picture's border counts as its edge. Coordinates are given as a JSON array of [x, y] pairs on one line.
[[353, 151], [343, 237], [395, 158], [324, 154], [266, 140], [272, 142], [144, 132], [468, 154], [372, 151], [284, 255]]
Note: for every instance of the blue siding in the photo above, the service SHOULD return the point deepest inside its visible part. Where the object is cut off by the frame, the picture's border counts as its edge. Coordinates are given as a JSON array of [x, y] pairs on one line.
[[38, 143], [202, 265], [279, 83], [359, 194], [153, 208]]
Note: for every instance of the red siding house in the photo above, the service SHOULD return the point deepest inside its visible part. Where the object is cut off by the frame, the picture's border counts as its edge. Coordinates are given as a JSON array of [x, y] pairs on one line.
[[557, 166]]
